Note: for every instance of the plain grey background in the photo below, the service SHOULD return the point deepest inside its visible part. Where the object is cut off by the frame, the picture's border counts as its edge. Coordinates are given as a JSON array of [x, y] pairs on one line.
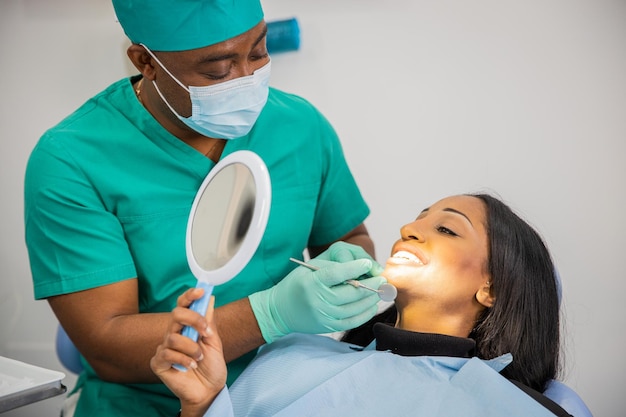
[[526, 99]]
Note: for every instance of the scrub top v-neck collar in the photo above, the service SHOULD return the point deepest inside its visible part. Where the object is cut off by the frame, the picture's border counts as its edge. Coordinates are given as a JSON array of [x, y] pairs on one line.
[[190, 158]]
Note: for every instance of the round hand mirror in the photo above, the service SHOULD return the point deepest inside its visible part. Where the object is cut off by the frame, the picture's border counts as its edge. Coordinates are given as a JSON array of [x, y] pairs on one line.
[[226, 223]]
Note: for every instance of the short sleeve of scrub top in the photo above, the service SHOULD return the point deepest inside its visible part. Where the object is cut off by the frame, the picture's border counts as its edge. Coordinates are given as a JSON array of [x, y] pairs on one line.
[[104, 202]]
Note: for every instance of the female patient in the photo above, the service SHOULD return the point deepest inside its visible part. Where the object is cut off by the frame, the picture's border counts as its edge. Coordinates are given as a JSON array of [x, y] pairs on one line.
[[473, 280]]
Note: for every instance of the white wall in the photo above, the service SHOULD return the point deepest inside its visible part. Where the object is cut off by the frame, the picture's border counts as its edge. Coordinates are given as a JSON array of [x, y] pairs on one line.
[[524, 98]]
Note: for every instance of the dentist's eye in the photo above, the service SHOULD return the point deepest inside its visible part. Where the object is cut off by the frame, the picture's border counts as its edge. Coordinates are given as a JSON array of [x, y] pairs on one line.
[[215, 77], [445, 230], [259, 56], [216, 74]]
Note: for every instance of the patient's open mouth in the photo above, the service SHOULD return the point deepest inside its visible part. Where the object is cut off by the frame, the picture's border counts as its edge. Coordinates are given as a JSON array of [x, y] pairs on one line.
[[403, 256]]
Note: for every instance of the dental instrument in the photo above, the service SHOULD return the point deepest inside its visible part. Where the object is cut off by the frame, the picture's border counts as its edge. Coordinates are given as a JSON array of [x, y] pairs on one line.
[[386, 292]]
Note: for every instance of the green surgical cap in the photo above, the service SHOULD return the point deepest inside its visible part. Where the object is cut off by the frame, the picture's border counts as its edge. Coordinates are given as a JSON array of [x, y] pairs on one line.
[[180, 25]]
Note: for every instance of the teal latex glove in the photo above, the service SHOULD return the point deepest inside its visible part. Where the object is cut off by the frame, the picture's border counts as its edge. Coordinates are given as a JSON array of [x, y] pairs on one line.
[[344, 252], [308, 301]]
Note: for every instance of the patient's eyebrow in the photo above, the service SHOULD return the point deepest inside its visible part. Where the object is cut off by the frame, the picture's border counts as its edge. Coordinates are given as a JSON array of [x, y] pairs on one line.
[[451, 210]]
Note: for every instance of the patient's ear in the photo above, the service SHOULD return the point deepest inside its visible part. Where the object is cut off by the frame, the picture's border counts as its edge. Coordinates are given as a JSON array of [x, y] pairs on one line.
[[484, 295]]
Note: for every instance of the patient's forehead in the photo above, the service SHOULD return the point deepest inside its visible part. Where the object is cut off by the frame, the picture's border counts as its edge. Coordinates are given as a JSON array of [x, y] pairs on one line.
[[471, 207]]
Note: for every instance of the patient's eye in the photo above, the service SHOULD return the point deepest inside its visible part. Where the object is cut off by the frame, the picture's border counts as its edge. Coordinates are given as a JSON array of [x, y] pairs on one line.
[[445, 230]]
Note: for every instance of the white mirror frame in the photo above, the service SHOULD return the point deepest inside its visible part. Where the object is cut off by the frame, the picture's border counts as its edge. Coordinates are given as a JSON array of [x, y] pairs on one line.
[[258, 222]]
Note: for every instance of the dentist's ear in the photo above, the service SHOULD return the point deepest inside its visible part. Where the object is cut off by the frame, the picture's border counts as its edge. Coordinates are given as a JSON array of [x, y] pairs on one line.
[[484, 295], [141, 60]]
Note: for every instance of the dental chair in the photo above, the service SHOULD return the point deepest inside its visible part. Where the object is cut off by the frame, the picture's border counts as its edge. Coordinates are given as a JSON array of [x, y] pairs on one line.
[[557, 391], [567, 398], [67, 353]]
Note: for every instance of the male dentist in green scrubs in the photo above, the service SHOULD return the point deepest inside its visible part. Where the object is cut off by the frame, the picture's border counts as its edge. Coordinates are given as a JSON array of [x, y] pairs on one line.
[[108, 191]]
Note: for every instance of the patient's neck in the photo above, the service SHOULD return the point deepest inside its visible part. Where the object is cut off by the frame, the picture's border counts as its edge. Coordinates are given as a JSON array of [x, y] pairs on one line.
[[420, 318]]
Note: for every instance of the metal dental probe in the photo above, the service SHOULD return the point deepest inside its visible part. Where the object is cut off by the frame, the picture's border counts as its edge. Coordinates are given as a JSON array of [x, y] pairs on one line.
[[386, 292]]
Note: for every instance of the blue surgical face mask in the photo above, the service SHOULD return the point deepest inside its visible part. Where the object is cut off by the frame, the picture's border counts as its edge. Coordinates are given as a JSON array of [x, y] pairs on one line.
[[227, 110]]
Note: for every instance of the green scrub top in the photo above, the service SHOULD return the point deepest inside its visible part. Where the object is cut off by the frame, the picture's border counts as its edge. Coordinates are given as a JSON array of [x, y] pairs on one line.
[[108, 193]]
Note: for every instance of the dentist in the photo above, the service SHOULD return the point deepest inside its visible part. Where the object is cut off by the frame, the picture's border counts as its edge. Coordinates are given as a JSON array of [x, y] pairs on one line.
[[109, 188]]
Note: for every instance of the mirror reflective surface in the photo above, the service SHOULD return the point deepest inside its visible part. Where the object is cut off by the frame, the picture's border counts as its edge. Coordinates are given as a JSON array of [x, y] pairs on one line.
[[228, 217], [222, 219]]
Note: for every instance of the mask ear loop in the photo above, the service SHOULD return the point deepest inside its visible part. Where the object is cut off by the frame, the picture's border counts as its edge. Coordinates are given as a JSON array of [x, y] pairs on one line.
[[156, 87], [164, 68], [165, 101]]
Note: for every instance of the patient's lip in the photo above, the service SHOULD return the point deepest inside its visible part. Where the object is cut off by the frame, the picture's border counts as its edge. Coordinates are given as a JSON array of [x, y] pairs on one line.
[[407, 254]]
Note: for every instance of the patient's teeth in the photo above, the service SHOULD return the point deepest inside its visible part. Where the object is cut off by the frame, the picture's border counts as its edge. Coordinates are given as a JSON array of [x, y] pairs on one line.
[[406, 255]]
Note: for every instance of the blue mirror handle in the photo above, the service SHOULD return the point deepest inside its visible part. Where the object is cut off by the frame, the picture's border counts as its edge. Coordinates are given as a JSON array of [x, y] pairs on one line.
[[199, 306]]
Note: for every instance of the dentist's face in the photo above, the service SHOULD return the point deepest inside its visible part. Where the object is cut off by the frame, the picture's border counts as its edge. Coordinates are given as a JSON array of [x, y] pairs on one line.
[[442, 256], [214, 64]]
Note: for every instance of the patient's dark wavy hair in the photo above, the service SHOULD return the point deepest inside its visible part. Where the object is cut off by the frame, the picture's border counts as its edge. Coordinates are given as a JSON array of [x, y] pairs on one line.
[[524, 319]]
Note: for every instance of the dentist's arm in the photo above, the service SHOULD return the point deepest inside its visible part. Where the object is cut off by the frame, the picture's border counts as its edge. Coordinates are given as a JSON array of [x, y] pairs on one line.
[[118, 341], [359, 236]]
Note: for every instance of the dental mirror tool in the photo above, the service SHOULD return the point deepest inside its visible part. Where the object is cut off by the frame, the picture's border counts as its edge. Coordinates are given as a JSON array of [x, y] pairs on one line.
[[226, 223], [386, 292]]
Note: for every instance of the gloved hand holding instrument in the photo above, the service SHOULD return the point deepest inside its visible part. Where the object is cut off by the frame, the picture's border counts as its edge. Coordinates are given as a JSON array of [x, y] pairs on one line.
[[318, 301]]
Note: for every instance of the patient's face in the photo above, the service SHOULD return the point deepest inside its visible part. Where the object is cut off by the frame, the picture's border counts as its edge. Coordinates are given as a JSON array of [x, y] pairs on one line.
[[441, 257]]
